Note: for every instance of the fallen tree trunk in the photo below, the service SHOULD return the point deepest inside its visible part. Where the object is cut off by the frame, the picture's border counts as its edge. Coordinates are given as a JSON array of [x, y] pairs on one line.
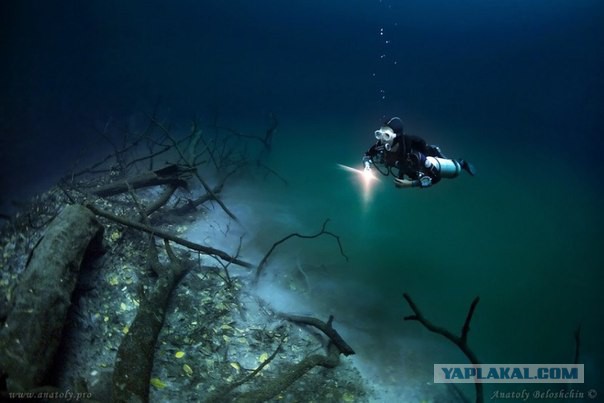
[[134, 360], [170, 175], [32, 331]]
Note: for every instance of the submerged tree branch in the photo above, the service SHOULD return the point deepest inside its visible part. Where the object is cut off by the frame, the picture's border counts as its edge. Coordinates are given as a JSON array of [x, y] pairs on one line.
[[326, 328], [459, 341], [134, 359], [335, 347], [167, 236], [190, 163], [221, 394], [172, 175], [262, 264]]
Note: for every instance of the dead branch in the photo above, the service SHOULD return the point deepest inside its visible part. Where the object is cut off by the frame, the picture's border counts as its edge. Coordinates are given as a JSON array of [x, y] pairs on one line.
[[190, 165], [459, 341], [193, 204], [222, 392], [92, 169], [118, 153], [270, 171], [262, 264], [266, 141], [278, 385], [172, 174], [161, 200], [149, 157], [167, 236], [325, 327], [268, 136], [336, 347]]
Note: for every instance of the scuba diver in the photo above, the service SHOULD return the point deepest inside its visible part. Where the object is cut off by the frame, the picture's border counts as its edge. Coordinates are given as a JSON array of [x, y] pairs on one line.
[[418, 164]]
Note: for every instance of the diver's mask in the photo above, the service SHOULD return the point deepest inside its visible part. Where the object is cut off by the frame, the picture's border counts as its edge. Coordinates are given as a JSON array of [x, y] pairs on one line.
[[386, 136]]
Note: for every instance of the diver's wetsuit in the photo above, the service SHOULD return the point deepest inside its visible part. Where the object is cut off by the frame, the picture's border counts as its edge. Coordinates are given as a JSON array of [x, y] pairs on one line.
[[408, 154]]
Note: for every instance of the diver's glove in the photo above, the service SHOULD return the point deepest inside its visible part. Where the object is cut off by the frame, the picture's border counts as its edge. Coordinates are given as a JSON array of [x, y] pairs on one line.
[[425, 181], [367, 163]]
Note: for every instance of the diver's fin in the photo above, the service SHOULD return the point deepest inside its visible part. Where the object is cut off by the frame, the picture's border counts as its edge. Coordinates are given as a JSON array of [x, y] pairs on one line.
[[466, 166]]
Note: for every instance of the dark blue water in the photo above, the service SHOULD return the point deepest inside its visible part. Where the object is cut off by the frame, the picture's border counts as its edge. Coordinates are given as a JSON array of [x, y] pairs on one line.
[[516, 87]]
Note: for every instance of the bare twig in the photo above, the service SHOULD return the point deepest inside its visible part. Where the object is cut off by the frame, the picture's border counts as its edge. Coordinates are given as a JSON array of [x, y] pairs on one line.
[[336, 347], [262, 264], [268, 136], [190, 164], [221, 393], [266, 141], [269, 170], [225, 267], [137, 204], [193, 204]]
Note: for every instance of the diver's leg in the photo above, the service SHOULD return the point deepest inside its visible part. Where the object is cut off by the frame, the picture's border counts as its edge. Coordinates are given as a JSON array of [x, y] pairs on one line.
[[468, 167], [434, 151]]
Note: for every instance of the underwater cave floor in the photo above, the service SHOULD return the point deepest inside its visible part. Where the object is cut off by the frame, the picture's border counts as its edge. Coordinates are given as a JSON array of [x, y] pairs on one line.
[[217, 327]]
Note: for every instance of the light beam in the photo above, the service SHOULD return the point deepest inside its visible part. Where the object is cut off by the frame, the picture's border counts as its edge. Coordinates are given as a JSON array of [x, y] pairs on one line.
[[366, 178]]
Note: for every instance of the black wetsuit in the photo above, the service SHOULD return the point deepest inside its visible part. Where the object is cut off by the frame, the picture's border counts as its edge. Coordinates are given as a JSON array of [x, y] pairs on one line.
[[407, 154]]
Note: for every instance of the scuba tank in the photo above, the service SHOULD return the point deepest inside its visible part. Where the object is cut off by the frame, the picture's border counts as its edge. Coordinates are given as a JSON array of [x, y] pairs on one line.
[[446, 168]]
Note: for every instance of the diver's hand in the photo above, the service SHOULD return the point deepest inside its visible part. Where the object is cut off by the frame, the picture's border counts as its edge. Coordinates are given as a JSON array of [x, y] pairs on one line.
[[366, 164], [425, 181], [404, 183]]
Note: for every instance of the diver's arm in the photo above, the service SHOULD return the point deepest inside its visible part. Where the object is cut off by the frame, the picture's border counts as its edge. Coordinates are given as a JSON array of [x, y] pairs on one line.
[[372, 152], [369, 155], [405, 183], [424, 182]]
